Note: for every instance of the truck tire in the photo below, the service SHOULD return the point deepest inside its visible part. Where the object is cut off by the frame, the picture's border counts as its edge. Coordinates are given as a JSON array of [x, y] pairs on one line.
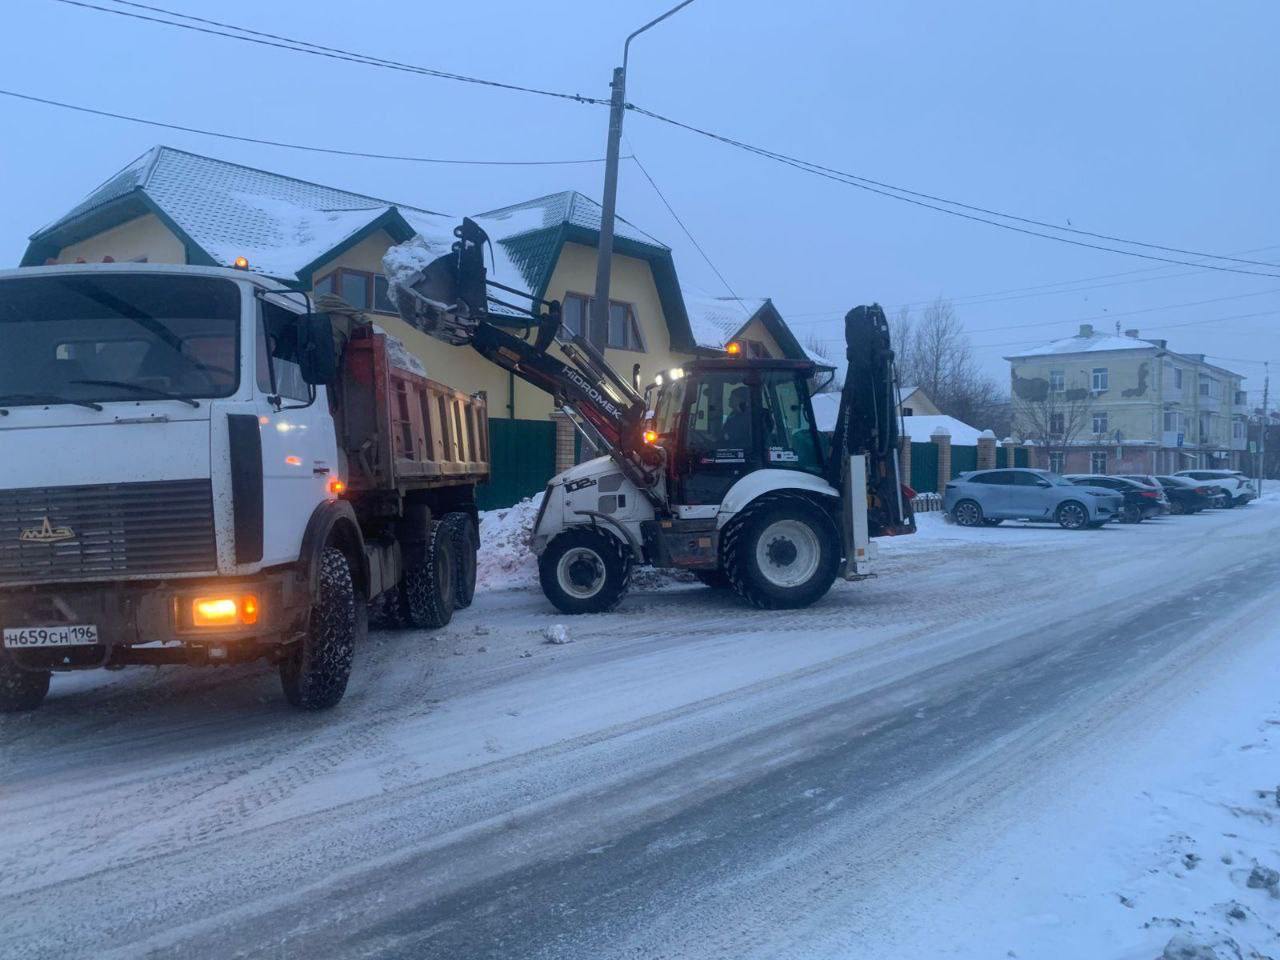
[[20, 689], [716, 579], [426, 590], [781, 554], [466, 543], [584, 571], [314, 674]]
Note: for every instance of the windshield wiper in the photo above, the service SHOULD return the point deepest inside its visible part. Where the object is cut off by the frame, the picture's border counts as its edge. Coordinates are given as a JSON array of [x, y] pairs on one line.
[[140, 388], [17, 398]]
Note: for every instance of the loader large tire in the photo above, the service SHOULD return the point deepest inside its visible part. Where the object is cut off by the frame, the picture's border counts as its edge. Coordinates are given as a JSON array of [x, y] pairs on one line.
[[21, 690], [782, 553], [466, 543], [315, 671], [584, 570], [426, 588]]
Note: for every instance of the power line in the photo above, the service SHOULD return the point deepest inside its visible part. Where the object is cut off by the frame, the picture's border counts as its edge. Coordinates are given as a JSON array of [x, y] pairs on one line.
[[675, 216], [910, 196], [1000, 296], [309, 148], [302, 46]]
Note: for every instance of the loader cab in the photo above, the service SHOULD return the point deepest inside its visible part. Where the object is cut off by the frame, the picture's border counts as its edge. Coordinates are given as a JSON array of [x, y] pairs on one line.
[[720, 419]]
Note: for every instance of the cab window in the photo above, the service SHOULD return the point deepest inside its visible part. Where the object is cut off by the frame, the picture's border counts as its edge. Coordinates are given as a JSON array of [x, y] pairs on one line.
[[275, 327], [790, 438]]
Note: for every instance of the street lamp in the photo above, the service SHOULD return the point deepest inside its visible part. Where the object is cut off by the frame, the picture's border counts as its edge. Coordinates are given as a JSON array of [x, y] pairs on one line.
[[617, 106]]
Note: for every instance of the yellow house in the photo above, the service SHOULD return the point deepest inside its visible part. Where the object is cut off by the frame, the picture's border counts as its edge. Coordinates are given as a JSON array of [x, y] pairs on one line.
[[172, 206]]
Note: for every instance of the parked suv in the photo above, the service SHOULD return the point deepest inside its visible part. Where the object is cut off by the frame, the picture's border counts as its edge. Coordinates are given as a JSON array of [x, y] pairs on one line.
[[987, 497], [1141, 501], [1237, 488]]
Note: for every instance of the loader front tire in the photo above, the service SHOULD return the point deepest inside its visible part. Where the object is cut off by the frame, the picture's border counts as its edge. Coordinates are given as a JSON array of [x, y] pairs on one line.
[[315, 670], [427, 585], [781, 554], [584, 570]]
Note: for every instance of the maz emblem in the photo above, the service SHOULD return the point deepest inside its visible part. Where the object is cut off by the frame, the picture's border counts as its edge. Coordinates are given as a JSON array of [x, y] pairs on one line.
[[46, 533]]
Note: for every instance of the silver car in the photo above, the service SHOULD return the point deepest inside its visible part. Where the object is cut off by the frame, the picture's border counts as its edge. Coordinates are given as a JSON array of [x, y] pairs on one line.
[[987, 497]]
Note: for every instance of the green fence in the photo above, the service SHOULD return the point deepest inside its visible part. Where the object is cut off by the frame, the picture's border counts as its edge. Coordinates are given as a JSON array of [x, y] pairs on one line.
[[924, 468], [523, 454], [962, 459], [1020, 457]]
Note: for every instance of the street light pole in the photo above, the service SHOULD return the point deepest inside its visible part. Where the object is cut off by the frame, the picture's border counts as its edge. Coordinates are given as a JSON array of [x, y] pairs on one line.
[[617, 106]]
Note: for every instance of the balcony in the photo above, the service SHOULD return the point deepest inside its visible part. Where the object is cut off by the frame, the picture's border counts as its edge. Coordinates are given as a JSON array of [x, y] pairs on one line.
[[1210, 404], [1169, 438]]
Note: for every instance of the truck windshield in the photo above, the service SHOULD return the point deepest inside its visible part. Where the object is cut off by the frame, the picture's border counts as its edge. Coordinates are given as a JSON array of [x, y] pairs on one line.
[[112, 337]]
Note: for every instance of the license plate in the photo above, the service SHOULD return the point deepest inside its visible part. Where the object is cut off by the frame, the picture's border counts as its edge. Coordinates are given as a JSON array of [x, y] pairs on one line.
[[62, 636]]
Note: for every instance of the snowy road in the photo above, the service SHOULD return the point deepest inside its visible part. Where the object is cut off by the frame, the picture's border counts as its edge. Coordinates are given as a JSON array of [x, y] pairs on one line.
[[686, 779]]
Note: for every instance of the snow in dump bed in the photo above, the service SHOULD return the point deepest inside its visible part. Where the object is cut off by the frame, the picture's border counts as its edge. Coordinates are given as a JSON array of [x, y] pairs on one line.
[[399, 354]]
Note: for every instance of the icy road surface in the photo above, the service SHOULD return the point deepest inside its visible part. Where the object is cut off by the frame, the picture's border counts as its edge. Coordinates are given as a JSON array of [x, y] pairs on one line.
[[968, 756]]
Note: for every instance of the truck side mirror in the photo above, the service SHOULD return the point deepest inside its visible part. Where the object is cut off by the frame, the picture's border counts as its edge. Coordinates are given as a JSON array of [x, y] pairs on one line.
[[317, 356]]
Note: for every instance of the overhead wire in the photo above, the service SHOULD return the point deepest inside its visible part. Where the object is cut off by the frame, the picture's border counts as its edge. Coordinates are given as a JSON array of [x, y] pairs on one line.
[[914, 197], [233, 32], [309, 148]]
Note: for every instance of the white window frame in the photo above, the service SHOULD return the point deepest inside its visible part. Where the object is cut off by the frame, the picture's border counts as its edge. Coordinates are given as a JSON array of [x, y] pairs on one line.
[[1056, 463], [1101, 379], [1096, 457], [1106, 421], [1057, 381]]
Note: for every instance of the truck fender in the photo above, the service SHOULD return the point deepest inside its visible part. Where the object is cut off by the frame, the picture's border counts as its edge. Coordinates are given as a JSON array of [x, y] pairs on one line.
[[333, 523], [760, 482]]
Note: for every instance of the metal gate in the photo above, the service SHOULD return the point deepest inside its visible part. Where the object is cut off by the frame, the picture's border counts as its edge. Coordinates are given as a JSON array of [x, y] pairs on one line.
[[963, 459], [924, 467], [523, 457]]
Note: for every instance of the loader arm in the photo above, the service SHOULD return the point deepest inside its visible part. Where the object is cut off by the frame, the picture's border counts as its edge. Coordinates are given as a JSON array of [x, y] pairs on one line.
[[451, 299]]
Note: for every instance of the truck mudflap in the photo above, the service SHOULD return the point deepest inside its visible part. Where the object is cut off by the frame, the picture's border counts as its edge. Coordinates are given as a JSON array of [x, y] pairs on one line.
[[153, 623]]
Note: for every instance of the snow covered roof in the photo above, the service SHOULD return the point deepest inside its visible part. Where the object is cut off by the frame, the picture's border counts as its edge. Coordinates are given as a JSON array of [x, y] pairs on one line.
[[717, 320], [283, 225], [1086, 341], [826, 406]]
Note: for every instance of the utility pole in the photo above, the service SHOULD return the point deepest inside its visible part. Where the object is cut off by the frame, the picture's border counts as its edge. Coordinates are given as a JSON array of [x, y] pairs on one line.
[[1262, 434], [599, 319]]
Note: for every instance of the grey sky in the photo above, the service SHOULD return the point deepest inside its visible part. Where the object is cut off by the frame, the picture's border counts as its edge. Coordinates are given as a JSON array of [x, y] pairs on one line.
[[1153, 120]]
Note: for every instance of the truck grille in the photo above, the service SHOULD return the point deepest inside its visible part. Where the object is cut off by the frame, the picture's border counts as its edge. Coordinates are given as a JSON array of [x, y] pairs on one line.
[[67, 533]]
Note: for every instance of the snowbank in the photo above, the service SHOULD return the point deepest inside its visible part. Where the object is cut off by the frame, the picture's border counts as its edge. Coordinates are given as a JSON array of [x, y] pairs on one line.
[[505, 561]]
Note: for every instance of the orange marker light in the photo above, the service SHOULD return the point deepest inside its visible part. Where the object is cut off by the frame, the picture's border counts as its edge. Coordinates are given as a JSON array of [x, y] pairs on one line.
[[733, 349], [224, 611], [337, 487], [240, 263], [293, 461], [651, 436]]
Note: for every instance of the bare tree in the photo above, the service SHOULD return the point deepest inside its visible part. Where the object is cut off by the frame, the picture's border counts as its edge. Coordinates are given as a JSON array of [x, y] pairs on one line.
[[1049, 419], [821, 349], [934, 354]]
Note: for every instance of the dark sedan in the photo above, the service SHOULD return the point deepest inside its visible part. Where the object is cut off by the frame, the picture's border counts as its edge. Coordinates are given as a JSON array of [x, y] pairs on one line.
[[1188, 496], [1141, 502]]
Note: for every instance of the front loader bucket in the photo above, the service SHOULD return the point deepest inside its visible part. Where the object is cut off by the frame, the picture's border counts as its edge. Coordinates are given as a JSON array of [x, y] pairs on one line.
[[445, 297]]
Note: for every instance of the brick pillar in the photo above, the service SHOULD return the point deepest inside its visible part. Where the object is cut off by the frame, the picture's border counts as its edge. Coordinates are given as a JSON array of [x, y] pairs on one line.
[[904, 459], [564, 442], [986, 450], [942, 439], [1010, 451]]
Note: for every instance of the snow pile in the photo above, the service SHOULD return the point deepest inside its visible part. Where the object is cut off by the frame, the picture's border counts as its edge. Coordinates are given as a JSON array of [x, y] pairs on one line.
[[557, 633], [399, 354], [505, 560], [404, 262]]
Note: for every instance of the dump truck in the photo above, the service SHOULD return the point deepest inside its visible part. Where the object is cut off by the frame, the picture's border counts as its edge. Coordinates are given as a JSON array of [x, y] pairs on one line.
[[203, 466], [717, 467]]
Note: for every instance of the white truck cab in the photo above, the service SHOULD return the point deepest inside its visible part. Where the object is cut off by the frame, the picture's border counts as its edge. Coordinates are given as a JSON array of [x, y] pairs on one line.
[[174, 487]]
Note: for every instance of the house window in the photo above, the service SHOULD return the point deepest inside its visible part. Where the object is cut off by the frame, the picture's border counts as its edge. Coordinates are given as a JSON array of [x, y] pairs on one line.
[[1057, 381], [363, 290], [1177, 378], [1057, 424], [1098, 462], [757, 349], [1174, 422], [1237, 429], [1100, 380], [623, 330], [1100, 422], [1055, 462], [1206, 427], [908, 412], [1242, 398]]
